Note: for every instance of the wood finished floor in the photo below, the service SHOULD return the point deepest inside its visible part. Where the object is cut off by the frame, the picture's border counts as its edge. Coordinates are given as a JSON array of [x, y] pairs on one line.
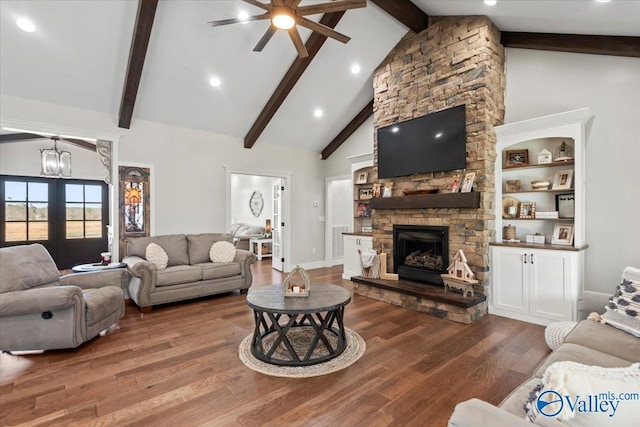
[[178, 366]]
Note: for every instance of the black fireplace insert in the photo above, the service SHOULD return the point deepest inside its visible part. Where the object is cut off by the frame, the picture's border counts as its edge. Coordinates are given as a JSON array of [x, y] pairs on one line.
[[420, 252]]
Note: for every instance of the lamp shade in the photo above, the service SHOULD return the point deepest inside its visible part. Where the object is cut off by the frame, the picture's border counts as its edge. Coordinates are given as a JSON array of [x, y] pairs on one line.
[[268, 227], [55, 162]]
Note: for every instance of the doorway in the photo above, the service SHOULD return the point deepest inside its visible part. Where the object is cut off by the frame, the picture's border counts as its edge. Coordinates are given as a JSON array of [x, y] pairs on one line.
[[260, 198]]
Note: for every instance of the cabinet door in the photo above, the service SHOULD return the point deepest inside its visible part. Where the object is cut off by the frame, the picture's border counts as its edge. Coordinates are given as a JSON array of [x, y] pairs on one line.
[[549, 296], [352, 244], [510, 280]]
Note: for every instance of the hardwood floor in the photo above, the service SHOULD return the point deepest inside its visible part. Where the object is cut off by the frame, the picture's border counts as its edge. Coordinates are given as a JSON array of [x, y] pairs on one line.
[[178, 365]]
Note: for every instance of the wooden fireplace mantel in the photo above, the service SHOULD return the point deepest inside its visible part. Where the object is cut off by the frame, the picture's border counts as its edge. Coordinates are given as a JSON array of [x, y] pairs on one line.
[[422, 201]]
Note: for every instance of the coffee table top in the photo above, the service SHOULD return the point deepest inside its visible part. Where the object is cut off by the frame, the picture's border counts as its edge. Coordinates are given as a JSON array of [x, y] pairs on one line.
[[322, 297], [83, 268]]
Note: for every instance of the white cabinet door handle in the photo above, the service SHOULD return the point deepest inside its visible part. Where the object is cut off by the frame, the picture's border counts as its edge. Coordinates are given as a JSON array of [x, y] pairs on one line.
[[524, 257], [531, 258]]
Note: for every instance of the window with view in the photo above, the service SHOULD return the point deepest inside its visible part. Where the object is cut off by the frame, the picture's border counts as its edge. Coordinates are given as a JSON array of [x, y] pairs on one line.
[[83, 211], [26, 206]]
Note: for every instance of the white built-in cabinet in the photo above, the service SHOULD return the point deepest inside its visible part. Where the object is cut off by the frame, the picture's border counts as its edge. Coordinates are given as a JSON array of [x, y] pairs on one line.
[[352, 244], [539, 282]]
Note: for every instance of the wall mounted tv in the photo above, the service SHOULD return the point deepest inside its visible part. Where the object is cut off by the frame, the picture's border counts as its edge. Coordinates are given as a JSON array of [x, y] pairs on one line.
[[432, 143]]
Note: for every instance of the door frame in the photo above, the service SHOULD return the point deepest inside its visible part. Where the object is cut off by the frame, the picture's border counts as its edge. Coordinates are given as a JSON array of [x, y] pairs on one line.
[[287, 178]]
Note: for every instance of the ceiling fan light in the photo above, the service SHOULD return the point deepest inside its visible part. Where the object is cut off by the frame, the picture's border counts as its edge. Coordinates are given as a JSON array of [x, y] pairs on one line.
[[283, 18]]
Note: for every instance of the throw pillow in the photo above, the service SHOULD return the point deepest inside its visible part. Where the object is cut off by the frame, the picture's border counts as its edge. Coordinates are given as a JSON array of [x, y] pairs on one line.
[[222, 252], [157, 256], [582, 395], [623, 309]]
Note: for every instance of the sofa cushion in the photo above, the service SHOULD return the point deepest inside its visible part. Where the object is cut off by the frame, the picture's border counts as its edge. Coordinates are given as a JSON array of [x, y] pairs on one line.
[[220, 270], [605, 339], [156, 256], [254, 230], [101, 302], [222, 252], [580, 354], [178, 274], [26, 266], [174, 245], [199, 245], [566, 382]]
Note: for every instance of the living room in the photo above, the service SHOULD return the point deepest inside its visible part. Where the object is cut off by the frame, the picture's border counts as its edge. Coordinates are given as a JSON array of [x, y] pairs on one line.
[[538, 83]]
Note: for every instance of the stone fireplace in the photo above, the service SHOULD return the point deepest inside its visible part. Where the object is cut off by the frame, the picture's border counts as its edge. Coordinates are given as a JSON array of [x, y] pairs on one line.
[[458, 60], [421, 252]]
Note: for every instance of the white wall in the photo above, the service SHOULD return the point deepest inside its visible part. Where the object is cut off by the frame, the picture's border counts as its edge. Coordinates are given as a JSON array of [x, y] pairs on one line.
[[360, 142], [189, 176], [23, 158], [242, 188], [541, 83]]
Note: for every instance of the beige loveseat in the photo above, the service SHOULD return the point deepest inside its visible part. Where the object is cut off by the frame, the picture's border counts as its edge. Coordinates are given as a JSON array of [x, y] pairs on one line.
[[589, 343], [189, 273], [242, 233]]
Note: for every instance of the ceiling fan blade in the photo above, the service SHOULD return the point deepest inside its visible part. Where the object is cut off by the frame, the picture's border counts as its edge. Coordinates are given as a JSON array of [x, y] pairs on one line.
[[292, 3], [297, 41], [237, 20], [335, 6], [323, 29], [258, 4], [265, 38]]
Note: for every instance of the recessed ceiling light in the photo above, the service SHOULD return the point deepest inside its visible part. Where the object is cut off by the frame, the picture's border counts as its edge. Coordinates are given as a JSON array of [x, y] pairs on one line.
[[355, 69], [25, 25], [215, 82], [318, 112], [490, 2], [243, 16]]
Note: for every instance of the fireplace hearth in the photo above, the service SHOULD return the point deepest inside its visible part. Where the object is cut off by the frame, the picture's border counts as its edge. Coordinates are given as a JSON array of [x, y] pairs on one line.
[[420, 252]]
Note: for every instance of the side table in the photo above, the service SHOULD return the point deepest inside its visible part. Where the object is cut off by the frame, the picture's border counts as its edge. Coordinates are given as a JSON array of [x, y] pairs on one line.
[[258, 244]]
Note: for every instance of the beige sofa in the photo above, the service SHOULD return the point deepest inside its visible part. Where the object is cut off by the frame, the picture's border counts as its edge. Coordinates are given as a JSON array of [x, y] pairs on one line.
[[242, 233], [589, 343], [189, 273]]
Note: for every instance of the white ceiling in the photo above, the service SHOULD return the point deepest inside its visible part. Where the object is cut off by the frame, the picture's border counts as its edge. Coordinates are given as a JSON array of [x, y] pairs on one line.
[[78, 57]]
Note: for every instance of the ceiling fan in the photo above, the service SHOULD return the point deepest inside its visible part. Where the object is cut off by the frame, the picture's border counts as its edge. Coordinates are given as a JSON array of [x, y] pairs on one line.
[[286, 14]]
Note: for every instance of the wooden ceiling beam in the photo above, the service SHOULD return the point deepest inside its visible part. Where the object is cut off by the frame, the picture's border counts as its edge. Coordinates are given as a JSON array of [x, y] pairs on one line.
[[575, 43], [137, 53], [406, 12], [290, 79], [17, 137], [353, 125]]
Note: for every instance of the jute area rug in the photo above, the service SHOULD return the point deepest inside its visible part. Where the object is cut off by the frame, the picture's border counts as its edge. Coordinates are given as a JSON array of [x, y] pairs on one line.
[[356, 347]]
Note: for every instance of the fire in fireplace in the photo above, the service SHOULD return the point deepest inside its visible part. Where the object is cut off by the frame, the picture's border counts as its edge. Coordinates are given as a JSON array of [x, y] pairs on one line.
[[420, 252]]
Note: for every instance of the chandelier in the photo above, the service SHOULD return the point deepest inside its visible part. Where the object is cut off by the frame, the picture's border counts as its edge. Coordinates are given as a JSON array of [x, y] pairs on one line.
[[55, 163]]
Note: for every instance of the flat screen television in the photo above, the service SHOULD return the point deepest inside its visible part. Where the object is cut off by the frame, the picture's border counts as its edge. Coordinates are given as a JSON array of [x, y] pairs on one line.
[[432, 143]]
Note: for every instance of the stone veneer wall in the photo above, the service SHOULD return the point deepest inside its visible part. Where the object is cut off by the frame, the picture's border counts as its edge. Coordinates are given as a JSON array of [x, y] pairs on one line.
[[457, 60]]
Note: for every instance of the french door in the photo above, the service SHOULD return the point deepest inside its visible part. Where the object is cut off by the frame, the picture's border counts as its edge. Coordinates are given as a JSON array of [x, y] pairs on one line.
[[277, 230], [67, 216]]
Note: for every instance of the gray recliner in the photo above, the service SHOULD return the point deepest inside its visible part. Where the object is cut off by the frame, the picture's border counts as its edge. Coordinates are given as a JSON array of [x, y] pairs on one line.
[[41, 310]]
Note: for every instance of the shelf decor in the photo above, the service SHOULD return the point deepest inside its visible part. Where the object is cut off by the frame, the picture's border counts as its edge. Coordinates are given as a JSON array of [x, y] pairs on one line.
[[516, 158], [361, 178], [563, 180], [544, 157], [297, 283], [513, 186], [527, 210], [565, 205], [563, 152], [562, 234]]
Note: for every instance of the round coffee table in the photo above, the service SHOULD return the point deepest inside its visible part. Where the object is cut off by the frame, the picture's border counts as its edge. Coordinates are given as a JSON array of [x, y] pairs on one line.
[[289, 330], [84, 268]]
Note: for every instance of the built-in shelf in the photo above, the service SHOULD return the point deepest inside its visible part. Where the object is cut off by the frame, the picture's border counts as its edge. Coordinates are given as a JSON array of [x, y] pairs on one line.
[[425, 201], [540, 246], [537, 219], [506, 193], [543, 165]]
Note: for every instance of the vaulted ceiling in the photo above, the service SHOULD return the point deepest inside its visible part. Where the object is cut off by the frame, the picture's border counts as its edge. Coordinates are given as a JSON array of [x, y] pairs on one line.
[[79, 56]]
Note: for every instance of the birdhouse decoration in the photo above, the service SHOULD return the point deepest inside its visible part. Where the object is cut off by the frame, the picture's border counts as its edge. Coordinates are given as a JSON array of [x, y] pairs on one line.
[[297, 283], [459, 276]]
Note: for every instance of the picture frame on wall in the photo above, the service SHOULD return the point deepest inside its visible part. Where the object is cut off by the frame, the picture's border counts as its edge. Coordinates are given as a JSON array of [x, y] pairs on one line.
[[361, 178], [562, 234], [565, 205], [516, 158], [527, 210], [467, 184], [563, 180]]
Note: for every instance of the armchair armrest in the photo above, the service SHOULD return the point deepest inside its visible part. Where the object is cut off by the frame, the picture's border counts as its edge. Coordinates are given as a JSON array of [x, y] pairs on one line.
[[477, 413], [97, 279], [143, 282], [38, 300], [245, 258]]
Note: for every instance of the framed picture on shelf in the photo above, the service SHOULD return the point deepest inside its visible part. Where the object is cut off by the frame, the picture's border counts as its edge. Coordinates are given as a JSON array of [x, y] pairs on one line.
[[527, 210], [565, 205], [513, 186], [563, 180], [455, 183], [376, 189], [516, 158], [361, 178], [562, 234], [365, 193], [387, 189], [362, 210], [467, 184]]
